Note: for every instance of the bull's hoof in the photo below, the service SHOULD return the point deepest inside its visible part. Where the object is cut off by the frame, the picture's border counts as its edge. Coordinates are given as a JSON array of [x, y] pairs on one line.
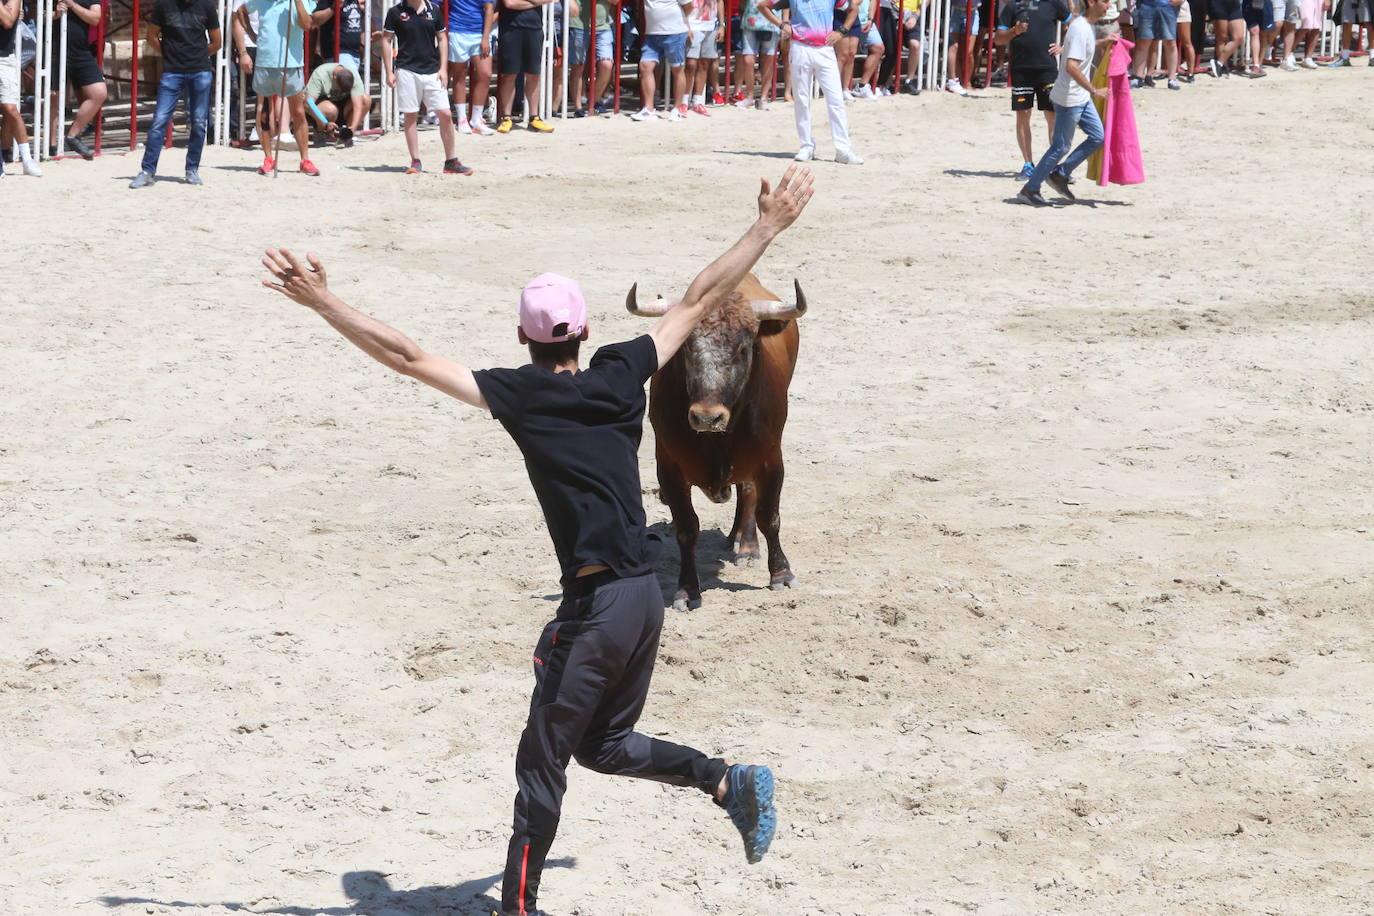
[[782, 580], [685, 602], [746, 556]]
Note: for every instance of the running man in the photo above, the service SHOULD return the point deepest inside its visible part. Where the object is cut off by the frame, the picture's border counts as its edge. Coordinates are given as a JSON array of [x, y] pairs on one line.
[[579, 431]]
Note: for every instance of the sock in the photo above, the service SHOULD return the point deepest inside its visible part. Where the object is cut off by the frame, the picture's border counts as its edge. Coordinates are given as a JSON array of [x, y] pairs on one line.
[[25, 154], [1345, 54], [462, 110]]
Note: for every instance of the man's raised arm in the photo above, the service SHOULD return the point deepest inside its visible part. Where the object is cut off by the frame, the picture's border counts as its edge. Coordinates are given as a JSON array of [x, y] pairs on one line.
[[385, 344], [778, 208]]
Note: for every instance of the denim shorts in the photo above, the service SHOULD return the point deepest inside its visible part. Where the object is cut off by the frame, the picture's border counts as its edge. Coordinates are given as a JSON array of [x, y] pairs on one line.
[[1156, 23], [758, 41], [269, 81], [1259, 14], [463, 46], [672, 48], [605, 45], [956, 20]]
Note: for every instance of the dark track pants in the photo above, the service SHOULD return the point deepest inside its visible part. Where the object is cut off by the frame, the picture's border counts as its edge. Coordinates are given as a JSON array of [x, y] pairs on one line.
[[592, 668]]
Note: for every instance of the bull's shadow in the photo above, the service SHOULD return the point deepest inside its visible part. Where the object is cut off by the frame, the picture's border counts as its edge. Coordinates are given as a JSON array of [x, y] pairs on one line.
[[714, 551], [371, 894]]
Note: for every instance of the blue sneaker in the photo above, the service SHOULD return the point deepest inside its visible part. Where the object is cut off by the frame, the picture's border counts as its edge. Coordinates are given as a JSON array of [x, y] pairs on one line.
[[749, 802], [1340, 62], [1027, 170]]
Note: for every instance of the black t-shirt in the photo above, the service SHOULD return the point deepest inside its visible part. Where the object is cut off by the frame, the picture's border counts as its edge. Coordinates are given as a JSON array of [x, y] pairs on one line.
[[185, 39], [1031, 49], [350, 28], [507, 18], [78, 33], [580, 436], [415, 47]]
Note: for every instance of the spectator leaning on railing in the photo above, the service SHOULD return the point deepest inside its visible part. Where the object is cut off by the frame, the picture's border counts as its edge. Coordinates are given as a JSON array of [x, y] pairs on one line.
[[83, 70], [10, 53]]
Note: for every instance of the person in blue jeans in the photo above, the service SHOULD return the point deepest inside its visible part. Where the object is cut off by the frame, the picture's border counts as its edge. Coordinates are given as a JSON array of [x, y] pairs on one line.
[[187, 34], [1072, 96]]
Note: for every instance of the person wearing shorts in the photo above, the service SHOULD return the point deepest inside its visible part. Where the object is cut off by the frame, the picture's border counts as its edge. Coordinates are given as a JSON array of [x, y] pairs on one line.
[[1287, 15], [1028, 29], [1350, 14], [1187, 53], [702, 53], [469, 51], [278, 70], [11, 13], [873, 56], [519, 47], [1259, 20], [338, 100], [666, 24], [1156, 22], [83, 71], [959, 57], [758, 42], [1311, 18], [848, 46], [417, 31], [603, 51], [1228, 22]]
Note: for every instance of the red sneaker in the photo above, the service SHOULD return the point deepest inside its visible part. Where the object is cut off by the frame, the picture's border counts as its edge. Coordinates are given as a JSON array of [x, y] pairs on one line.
[[717, 99], [308, 168], [737, 97], [701, 110], [454, 167], [267, 166]]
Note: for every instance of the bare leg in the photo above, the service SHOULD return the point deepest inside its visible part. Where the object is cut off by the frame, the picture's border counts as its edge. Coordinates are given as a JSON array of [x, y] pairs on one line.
[[1023, 134], [505, 94], [299, 128], [409, 122], [446, 133], [481, 84]]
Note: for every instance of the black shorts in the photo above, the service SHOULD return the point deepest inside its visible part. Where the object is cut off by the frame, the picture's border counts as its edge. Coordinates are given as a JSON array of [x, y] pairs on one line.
[[83, 69], [519, 50], [1032, 86], [854, 31], [1224, 10]]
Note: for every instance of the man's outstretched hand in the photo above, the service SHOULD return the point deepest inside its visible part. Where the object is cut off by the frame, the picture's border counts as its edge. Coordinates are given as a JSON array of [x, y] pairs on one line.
[[779, 207], [308, 286]]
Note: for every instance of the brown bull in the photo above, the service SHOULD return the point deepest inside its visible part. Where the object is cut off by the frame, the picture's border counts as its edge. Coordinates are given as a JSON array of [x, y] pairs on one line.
[[718, 408]]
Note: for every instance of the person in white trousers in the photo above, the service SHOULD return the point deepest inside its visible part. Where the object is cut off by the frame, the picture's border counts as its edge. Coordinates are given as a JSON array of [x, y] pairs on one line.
[[815, 28]]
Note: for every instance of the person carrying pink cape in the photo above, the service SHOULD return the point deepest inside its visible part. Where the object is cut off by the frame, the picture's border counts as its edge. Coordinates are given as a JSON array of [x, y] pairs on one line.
[[1118, 161]]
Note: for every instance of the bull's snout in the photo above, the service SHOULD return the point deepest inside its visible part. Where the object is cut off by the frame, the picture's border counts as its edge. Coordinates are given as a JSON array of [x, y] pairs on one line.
[[714, 418]]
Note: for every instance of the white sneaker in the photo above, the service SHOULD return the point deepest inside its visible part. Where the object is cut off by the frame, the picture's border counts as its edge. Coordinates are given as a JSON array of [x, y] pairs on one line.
[[955, 87], [489, 113], [849, 96], [744, 103], [463, 126], [805, 154], [480, 128], [763, 104], [430, 117], [644, 114], [849, 158], [1309, 63], [866, 92], [31, 169], [675, 115], [1288, 64]]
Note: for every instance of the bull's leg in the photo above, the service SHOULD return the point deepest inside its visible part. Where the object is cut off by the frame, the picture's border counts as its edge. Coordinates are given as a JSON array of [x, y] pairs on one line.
[[744, 536], [770, 496], [677, 495]]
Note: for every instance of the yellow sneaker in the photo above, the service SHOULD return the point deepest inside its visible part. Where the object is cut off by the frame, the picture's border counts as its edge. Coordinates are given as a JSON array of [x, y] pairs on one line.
[[505, 125], [538, 126]]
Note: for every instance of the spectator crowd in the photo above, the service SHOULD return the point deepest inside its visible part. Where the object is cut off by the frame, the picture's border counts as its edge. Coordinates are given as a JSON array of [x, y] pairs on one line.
[[302, 67]]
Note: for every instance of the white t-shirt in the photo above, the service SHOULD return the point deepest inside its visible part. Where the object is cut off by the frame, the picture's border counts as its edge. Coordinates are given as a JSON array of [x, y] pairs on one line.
[[1078, 45], [664, 17], [252, 29], [703, 15]]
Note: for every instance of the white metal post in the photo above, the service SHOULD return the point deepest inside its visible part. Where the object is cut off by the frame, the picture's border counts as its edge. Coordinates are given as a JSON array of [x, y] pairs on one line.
[[567, 49], [222, 77], [61, 137], [367, 61], [42, 79]]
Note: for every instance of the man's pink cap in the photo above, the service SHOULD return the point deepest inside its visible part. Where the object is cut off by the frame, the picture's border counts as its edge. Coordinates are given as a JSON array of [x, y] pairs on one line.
[[548, 301]]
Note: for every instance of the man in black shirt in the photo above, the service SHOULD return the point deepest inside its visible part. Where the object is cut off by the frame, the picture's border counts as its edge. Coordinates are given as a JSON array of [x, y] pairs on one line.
[[518, 49], [350, 26], [418, 29], [1030, 26], [579, 432], [188, 35]]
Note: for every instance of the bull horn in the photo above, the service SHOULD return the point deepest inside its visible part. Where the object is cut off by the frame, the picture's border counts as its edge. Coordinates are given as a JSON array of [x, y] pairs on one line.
[[773, 310], [656, 310]]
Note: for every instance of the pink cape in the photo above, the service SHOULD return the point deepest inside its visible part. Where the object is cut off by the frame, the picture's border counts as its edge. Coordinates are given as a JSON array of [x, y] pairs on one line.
[[1118, 161]]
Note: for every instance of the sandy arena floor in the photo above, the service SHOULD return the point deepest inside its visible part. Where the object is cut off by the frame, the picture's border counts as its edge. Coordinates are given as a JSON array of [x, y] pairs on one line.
[[1079, 498]]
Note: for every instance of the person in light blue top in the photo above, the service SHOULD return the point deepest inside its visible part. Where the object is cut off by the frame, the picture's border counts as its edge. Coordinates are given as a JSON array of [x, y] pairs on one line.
[[279, 68]]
